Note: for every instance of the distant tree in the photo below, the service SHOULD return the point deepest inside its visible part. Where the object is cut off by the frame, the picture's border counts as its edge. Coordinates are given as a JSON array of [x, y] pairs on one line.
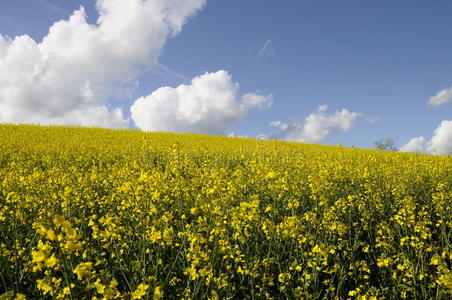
[[386, 144]]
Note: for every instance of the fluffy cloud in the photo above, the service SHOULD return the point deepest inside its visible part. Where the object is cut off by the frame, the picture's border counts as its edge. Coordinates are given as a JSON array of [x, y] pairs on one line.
[[442, 97], [318, 126], [209, 104], [414, 145], [69, 76], [441, 142]]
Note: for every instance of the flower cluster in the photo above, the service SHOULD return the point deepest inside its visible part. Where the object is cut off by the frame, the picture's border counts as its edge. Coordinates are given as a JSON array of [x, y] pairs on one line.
[[104, 214]]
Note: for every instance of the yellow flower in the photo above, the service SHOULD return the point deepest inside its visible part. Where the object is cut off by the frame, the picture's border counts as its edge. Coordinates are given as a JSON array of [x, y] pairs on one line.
[[99, 286], [20, 296], [140, 291], [436, 260], [270, 175], [157, 293], [42, 285], [41, 230], [283, 277], [113, 284], [384, 262], [354, 292], [58, 220], [50, 234], [83, 269], [73, 246], [38, 256], [52, 261]]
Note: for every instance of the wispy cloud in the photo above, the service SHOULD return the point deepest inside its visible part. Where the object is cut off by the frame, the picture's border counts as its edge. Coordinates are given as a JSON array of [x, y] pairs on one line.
[[9, 21], [167, 73], [49, 5], [442, 97], [266, 50]]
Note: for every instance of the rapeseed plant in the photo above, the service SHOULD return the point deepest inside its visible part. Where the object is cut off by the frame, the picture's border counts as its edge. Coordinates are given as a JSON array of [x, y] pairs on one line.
[[106, 214]]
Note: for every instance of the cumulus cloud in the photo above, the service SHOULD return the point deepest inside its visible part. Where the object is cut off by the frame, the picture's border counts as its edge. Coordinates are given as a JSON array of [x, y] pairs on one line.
[[442, 97], [415, 145], [318, 126], [441, 142], [68, 77], [209, 104], [279, 124]]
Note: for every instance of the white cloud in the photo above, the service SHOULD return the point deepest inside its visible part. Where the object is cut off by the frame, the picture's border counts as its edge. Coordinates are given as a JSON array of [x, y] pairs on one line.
[[234, 135], [322, 108], [415, 145], [251, 100], [442, 97], [209, 104], [441, 142], [279, 124], [69, 76], [266, 50], [319, 126]]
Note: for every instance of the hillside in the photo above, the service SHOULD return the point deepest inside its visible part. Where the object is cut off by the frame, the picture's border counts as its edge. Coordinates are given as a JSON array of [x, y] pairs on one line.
[[90, 212]]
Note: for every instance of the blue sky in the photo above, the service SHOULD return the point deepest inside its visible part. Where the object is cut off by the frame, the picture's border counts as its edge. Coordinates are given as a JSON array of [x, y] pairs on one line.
[[380, 59]]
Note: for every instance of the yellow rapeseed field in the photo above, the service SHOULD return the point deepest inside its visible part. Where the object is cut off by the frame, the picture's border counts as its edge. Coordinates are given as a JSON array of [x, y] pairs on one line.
[[103, 214]]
